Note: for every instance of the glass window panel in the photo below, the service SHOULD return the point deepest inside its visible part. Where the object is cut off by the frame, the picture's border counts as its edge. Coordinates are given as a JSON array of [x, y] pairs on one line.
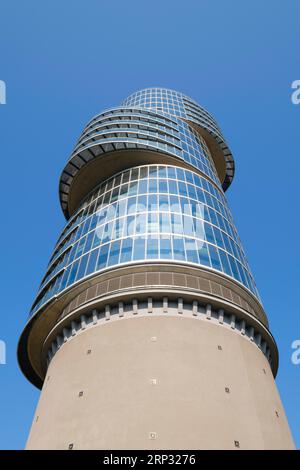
[[185, 206], [209, 235], [129, 225], [92, 262], [171, 172], [173, 187], [214, 256], [163, 202], [141, 223], [206, 213], [152, 248], [115, 194], [114, 253], [143, 172], [234, 267], [98, 236], [73, 273], [203, 253], [80, 246], [107, 232], [121, 208], [152, 171], [73, 250], [133, 188], [174, 204], [65, 278], [225, 262], [189, 177], [152, 222], [180, 174], [82, 266], [182, 189], [213, 217], [178, 248], [191, 250], [134, 174], [165, 248], [94, 222], [162, 172], [126, 250], [102, 260], [218, 237], [141, 204], [89, 241], [164, 223], [242, 273], [139, 248], [153, 202], [188, 226], [192, 192], [118, 229], [163, 186], [123, 190], [143, 186], [177, 226], [209, 200], [131, 207], [153, 186]]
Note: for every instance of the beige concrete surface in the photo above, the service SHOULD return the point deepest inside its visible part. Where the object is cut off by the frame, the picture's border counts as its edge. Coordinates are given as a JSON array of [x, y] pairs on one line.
[[159, 383]]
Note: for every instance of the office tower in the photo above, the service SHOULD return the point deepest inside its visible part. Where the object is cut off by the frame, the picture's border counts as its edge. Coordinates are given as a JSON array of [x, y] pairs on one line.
[[147, 331]]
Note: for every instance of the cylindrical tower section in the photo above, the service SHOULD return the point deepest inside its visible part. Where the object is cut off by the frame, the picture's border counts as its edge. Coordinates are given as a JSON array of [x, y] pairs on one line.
[[147, 330]]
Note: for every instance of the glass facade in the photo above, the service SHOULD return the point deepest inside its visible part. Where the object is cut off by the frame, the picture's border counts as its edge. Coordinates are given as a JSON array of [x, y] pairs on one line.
[[147, 213], [173, 212], [154, 119]]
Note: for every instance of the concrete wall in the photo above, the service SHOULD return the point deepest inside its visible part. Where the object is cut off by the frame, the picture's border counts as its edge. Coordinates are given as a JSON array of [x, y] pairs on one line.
[[159, 382]]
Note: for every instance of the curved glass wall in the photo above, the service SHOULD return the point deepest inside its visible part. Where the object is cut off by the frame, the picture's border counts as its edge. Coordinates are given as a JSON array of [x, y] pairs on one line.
[[147, 213], [175, 103], [129, 128]]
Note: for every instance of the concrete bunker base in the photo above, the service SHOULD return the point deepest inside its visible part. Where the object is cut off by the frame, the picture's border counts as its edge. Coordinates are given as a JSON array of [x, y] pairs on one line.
[[159, 382]]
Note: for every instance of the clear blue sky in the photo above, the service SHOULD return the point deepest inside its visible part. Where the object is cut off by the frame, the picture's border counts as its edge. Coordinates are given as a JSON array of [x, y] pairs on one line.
[[64, 61]]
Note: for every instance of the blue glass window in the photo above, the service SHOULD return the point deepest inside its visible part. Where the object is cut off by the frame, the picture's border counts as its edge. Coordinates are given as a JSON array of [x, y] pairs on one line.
[[92, 262], [171, 206], [203, 253], [191, 250], [214, 256], [165, 248], [152, 222], [152, 202], [152, 248], [143, 187], [178, 248], [225, 262], [173, 187], [163, 186], [82, 266], [139, 248], [114, 253], [153, 186], [89, 240], [107, 232], [209, 233], [164, 222], [141, 223], [103, 256], [73, 273], [126, 250]]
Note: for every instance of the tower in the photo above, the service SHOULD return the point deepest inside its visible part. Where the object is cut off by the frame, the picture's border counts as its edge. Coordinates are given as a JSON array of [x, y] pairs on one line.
[[147, 331]]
